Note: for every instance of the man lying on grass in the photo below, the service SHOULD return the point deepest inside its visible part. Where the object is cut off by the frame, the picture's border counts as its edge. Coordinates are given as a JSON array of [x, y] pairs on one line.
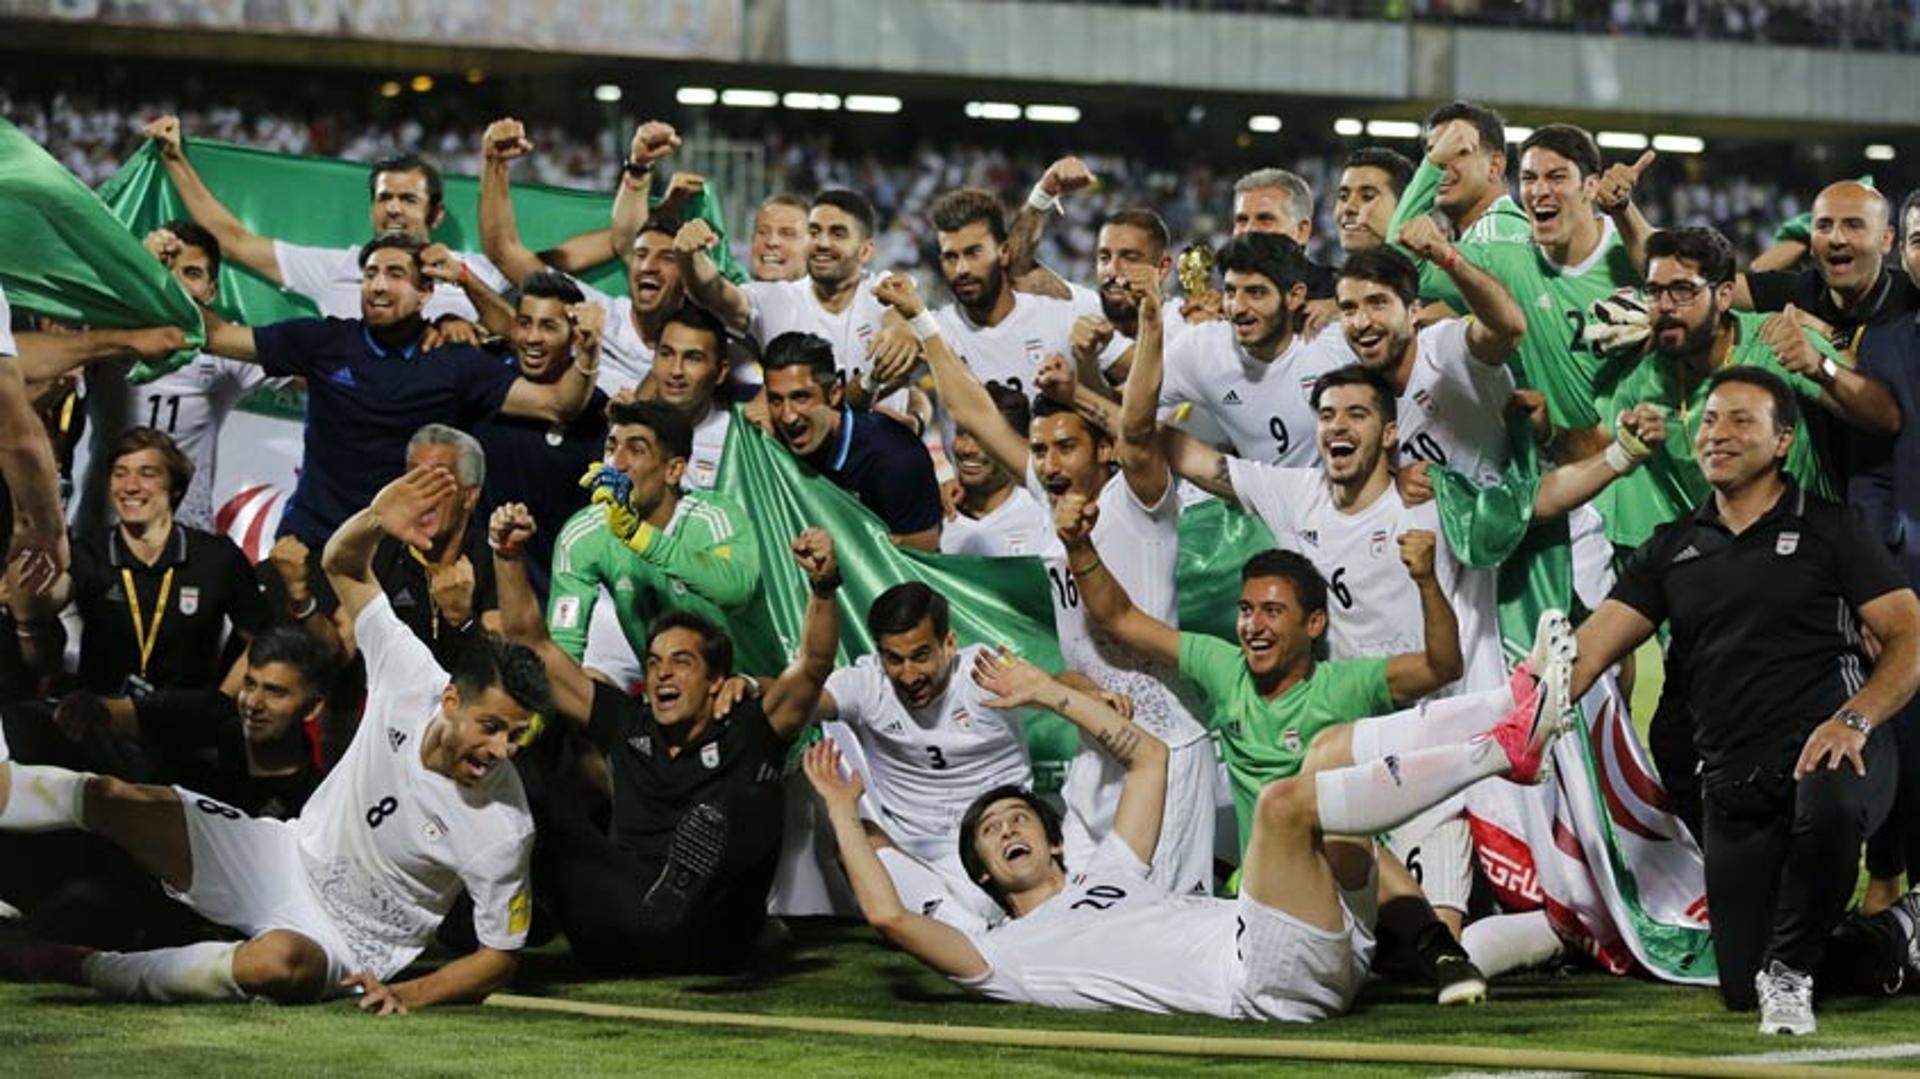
[[1297, 943]]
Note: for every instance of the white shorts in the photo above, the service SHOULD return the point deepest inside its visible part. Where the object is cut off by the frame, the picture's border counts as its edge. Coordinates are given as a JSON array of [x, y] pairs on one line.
[[247, 874], [1292, 972], [1437, 848], [1183, 860], [1592, 556]]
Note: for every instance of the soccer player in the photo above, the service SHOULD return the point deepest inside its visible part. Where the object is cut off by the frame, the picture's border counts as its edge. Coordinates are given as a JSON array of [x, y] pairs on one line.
[[779, 235], [1104, 931], [344, 897], [1064, 453], [690, 369], [677, 876], [930, 743], [1250, 372], [995, 515], [1370, 186], [1469, 187]]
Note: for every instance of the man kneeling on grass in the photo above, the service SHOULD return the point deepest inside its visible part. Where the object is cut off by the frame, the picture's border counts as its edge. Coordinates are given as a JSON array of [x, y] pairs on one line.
[[1297, 943], [422, 807]]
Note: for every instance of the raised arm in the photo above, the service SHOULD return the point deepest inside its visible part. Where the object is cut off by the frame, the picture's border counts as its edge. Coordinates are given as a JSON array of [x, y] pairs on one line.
[[1498, 323], [39, 554], [967, 400], [520, 620], [1413, 675], [1615, 198], [1141, 455], [229, 339], [789, 703], [237, 242], [1638, 434], [46, 356], [496, 314], [1063, 177], [1106, 600], [652, 141], [400, 510], [560, 401], [718, 562], [703, 281], [936, 944], [504, 140]]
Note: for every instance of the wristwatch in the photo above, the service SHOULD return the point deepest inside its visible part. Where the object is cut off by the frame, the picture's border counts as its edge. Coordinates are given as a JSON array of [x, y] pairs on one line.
[[1854, 720], [635, 168]]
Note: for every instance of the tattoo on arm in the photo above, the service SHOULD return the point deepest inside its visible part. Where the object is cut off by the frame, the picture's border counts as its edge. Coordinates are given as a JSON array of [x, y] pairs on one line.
[[1120, 742]]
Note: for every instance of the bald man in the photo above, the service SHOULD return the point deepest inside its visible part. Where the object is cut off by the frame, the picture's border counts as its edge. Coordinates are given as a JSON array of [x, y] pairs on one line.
[[1852, 284]]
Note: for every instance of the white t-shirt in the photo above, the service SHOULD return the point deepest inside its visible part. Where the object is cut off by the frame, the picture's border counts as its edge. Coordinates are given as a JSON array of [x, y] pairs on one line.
[[1373, 606], [709, 446], [924, 769], [330, 277], [1263, 407], [1453, 413], [7, 345], [389, 845], [1018, 526], [625, 356], [1113, 938], [189, 403], [1010, 352]]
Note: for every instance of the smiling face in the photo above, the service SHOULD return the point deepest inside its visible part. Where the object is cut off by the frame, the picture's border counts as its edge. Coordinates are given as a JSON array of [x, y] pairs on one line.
[[401, 204], [1275, 630], [542, 337], [977, 471], [779, 240], [973, 263], [688, 366], [1015, 854], [837, 247], [1377, 324], [1910, 247], [392, 289], [1119, 248], [919, 663], [483, 732], [142, 488], [1363, 207], [1067, 457], [1556, 196], [1353, 434], [1260, 314], [679, 684], [1739, 438], [804, 412], [653, 273], [274, 702], [1851, 236]]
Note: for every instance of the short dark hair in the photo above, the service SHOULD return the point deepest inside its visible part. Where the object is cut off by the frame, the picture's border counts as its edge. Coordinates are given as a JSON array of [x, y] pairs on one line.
[[398, 241], [1294, 568], [853, 204], [796, 348], [964, 206], [1044, 406], [1786, 409], [669, 425], [1490, 124], [297, 649], [481, 661], [178, 465], [436, 188], [1398, 168], [194, 234], [904, 606], [699, 318], [1704, 247], [716, 648], [666, 223], [970, 859], [1276, 257], [549, 284], [1140, 217], [1355, 374], [1907, 206], [1384, 264], [1570, 142], [1014, 407]]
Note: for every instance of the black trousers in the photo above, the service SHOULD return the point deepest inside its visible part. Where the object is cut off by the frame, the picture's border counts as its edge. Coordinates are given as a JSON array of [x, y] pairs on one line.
[[1782, 859], [1895, 846], [1670, 744]]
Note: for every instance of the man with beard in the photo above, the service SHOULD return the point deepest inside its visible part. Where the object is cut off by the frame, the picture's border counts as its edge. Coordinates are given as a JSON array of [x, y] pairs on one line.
[[995, 516], [880, 461], [1250, 372], [1370, 186], [1064, 453], [921, 731], [1850, 285], [777, 251]]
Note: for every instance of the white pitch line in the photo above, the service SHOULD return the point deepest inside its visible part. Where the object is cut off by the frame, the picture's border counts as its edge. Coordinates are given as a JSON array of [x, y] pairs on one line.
[[1793, 1056]]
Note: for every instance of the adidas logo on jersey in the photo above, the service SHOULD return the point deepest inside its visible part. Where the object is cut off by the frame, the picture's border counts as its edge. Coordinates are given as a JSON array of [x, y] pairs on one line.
[[404, 598], [1545, 303], [1310, 537], [1690, 552], [396, 739], [767, 773], [894, 726], [1232, 398], [641, 744], [342, 376]]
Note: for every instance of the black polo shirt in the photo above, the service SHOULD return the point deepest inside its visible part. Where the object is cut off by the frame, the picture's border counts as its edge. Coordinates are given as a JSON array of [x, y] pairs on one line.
[[886, 467], [653, 789], [196, 740], [402, 574], [531, 462], [207, 581], [1892, 296], [364, 401], [1767, 619]]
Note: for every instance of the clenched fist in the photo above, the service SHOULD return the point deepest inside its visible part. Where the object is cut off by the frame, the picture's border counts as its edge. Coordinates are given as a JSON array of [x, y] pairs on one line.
[[1416, 553]]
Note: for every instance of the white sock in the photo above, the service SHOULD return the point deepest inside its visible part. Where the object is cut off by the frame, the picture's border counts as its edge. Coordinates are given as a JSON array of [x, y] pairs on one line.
[[4, 755], [42, 798], [1365, 799], [1443, 722], [193, 974], [1510, 942]]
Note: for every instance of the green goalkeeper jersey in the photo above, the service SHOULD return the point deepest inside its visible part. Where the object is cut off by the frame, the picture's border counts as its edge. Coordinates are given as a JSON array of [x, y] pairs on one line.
[[706, 561]]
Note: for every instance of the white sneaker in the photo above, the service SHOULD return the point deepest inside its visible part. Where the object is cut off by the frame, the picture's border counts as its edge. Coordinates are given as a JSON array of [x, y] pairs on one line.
[[1786, 1000], [1910, 905]]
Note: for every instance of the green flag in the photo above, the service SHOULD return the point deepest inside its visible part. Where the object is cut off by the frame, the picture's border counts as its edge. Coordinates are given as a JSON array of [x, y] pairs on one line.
[[62, 253]]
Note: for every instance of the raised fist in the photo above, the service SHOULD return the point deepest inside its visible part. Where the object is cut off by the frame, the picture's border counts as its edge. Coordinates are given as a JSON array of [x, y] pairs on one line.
[[1422, 237], [694, 237], [1054, 379], [813, 551], [1454, 139], [1416, 553], [589, 321], [900, 293], [504, 140], [165, 131], [1090, 337], [652, 141], [1074, 517], [1065, 176]]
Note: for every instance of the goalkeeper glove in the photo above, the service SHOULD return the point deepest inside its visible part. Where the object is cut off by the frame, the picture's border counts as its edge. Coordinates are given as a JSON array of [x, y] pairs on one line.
[[1618, 325]]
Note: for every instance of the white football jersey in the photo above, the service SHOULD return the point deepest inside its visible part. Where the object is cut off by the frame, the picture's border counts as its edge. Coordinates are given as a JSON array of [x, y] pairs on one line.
[[389, 845], [189, 403], [924, 768], [1453, 413], [1373, 606], [330, 277], [709, 446], [1262, 406], [791, 306], [625, 356], [1010, 352], [1020, 525]]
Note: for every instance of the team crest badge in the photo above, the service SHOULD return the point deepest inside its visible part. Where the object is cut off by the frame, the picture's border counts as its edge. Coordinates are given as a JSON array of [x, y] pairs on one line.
[[1788, 543], [963, 719], [1424, 399], [433, 829], [710, 754], [1290, 741], [189, 599], [555, 438], [1377, 543]]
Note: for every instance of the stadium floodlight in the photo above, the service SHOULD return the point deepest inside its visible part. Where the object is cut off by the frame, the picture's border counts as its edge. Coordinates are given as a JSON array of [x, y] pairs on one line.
[[1879, 151], [476, 76], [606, 93], [389, 89], [871, 103], [1348, 126], [1679, 144], [1264, 123], [1053, 114], [749, 99], [809, 101], [1517, 134], [696, 95], [1393, 129], [1621, 140], [992, 110], [421, 83]]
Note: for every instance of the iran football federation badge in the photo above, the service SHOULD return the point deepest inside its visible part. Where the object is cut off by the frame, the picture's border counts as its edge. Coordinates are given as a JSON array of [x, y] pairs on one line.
[[1788, 543], [189, 599], [710, 754]]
